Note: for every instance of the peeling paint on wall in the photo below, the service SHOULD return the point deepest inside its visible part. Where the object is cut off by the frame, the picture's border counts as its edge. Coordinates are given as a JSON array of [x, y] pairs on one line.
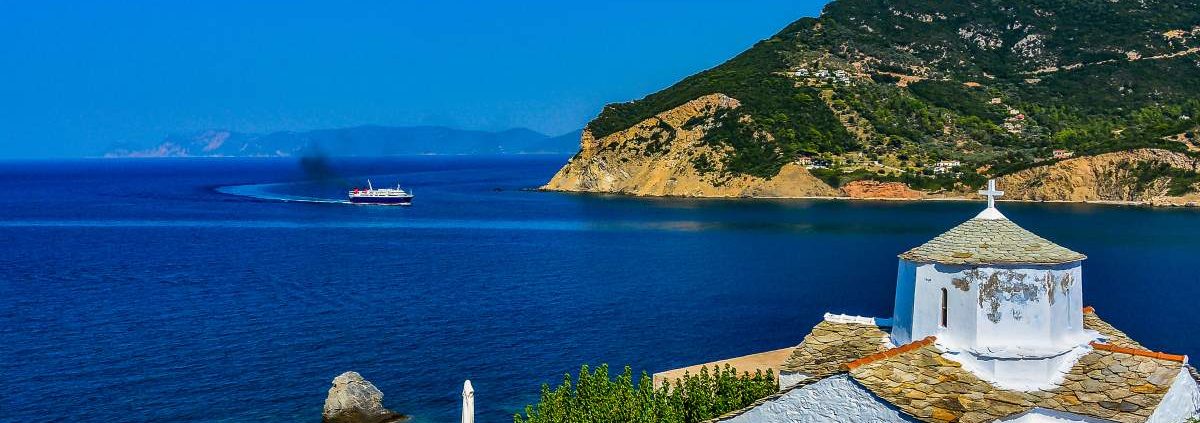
[[1066, 282], [1002, 286], [1048, 282], [1052, 285], [964, 283]]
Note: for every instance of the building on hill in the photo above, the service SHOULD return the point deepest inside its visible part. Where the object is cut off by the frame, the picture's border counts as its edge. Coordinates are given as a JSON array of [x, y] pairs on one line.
[[1063, 154], [988, 327], [945, 166]]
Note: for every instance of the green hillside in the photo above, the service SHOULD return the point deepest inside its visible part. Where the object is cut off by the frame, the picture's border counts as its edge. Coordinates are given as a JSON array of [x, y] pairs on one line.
[[886, 89]]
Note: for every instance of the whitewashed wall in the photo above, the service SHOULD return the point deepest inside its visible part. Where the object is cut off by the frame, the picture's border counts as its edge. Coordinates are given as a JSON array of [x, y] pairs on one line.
[[1038, 307], [788, 380], [1181, 402], [833, 399], [1041, 415], [902, 312]]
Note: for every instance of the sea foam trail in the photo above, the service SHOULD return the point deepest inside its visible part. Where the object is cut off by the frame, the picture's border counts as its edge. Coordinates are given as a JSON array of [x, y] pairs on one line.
[[259, 191]]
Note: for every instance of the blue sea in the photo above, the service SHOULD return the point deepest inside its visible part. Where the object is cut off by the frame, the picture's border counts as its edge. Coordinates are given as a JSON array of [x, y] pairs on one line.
[[235, 290]]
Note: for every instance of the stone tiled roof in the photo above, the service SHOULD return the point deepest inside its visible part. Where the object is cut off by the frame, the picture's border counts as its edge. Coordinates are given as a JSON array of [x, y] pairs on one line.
[[1119, 380], [990, 241], [830, 345], [1113, 383], [1115, 337]]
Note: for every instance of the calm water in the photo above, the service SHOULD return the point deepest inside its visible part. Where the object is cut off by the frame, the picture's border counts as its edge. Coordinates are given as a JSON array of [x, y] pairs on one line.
[[185, 290]]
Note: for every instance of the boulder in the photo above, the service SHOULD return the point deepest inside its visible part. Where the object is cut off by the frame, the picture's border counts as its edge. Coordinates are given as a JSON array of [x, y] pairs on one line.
[[353, 399]]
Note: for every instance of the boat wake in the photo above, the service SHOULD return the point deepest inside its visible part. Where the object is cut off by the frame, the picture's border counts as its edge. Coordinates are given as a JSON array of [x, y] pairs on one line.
[[263, 192]]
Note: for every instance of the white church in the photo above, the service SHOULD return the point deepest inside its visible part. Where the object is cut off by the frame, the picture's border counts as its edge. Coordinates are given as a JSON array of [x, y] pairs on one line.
[[988, 326]]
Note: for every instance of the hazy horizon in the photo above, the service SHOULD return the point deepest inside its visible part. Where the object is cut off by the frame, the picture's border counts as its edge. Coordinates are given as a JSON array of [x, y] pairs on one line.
[[131, 74]]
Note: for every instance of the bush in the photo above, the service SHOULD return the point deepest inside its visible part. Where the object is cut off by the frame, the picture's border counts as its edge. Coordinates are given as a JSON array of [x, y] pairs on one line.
[[594, 398]]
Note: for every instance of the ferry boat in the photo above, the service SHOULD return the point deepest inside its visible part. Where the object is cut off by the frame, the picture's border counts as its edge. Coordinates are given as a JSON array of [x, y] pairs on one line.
[[382, 196]]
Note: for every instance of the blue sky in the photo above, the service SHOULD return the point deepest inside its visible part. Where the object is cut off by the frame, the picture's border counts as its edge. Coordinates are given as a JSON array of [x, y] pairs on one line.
[[79, 77]]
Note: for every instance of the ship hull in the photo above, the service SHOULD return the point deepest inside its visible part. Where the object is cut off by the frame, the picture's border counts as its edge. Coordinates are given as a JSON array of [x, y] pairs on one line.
[[385, 201]]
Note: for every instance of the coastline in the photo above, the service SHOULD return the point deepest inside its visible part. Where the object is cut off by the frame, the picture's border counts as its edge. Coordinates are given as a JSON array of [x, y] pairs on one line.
[[1126, 203]]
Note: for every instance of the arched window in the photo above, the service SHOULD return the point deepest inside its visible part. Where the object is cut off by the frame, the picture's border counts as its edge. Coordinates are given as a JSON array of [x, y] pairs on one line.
[[945, 306]]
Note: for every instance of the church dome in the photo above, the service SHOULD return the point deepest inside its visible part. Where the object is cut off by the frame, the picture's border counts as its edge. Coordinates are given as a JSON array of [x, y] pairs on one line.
[[990, 241]]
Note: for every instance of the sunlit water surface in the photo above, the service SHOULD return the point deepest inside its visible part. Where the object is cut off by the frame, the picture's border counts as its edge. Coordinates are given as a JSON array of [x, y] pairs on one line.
[[236, 289]]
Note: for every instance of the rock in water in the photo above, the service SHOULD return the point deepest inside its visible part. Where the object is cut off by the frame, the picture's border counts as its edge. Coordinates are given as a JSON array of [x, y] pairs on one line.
[[353, 399]]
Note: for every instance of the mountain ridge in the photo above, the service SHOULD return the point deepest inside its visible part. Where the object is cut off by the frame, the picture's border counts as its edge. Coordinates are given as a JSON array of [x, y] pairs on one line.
[[365, 140]]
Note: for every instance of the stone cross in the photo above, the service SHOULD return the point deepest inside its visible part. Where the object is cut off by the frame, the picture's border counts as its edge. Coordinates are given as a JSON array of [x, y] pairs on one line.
[[991, 193]]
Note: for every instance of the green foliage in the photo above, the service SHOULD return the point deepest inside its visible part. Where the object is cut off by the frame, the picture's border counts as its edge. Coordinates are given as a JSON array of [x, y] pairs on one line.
[[753, 154], [595, 398], [958, 98], [1107, 103], [832, 177], [796, 118], [1181, 181], [836, 178], [703, 164]]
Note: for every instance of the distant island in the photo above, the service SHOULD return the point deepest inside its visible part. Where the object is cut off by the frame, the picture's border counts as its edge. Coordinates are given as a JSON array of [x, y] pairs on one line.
[[1062, 101], [355, 141]]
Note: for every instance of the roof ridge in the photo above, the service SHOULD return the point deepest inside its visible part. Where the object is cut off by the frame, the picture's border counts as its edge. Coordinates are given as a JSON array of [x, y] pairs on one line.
[[892, 352], [1141, 353]]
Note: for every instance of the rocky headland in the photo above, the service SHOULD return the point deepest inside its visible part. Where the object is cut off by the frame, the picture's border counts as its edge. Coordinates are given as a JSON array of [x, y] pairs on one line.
[[1065, 101]]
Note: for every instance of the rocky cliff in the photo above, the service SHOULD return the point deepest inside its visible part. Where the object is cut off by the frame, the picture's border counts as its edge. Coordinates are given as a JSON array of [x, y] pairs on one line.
[[1143, 175], [667, 155]]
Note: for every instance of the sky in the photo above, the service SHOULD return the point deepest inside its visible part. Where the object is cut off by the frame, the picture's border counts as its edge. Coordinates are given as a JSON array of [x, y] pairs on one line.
[[78, 78]]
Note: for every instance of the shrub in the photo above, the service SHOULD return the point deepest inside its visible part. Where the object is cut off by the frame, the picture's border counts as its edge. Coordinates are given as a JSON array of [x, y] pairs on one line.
[[595, 398]]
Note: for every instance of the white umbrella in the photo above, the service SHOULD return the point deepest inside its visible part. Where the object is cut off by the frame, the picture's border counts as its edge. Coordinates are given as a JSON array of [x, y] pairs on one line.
[[468, 415]]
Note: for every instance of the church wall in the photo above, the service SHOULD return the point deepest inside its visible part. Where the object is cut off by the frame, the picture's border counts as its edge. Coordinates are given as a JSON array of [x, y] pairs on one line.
[[1020, 374], [931, 279], [833, 399], [902, 318], [1037, 305], [992, 305], [1181, 402], [1068, 280]]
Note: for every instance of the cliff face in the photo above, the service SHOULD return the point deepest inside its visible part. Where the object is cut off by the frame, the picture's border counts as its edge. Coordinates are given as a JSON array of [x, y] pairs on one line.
[[880, 190], [659, 157], [1122, 176]]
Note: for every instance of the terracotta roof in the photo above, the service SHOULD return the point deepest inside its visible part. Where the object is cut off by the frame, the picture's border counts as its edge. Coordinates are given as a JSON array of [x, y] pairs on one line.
[[891, 353], [990, 241], [1140, 352], [1105, 384], [830, 345]]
